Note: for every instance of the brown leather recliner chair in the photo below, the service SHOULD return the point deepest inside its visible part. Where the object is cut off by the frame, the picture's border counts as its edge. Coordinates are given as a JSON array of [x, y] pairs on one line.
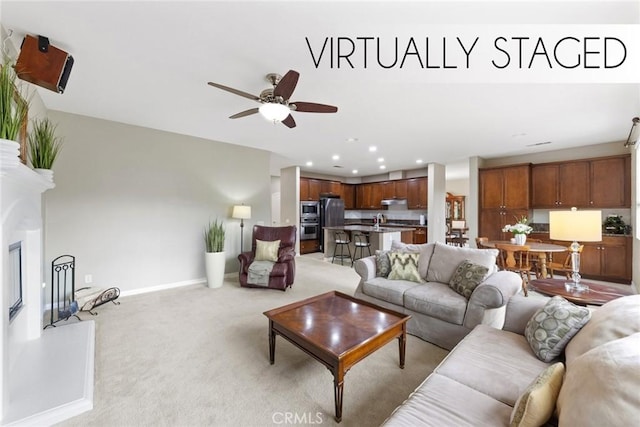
[[284, 269]]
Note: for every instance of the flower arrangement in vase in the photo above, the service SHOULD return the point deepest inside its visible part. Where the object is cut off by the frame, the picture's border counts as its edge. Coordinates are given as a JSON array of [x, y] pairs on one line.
[[520, 230]]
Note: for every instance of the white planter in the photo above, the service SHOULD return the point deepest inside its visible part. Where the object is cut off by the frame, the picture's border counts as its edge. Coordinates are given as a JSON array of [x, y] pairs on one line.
[[521, 239], [9, 154], [45, 173], [214, 264]]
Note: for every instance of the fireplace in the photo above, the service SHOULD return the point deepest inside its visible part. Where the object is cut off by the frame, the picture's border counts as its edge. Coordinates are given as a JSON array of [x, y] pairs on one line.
[[15, 279]]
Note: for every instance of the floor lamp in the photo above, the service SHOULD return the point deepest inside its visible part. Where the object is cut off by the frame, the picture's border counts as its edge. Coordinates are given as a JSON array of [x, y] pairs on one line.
[[574, 225], [241, 212]]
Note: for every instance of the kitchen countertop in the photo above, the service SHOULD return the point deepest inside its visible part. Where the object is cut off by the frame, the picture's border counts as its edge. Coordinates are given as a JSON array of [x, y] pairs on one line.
[[385, 224], [369, 228]]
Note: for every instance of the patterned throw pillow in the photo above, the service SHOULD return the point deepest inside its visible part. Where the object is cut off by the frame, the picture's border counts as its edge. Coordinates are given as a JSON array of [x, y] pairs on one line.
[[404, 266], [383, 265], [551, 327], [535, 406], [267, 251], [466, 277]]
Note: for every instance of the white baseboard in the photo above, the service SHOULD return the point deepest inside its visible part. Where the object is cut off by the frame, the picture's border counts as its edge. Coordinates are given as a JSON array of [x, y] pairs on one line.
[[163, 287]]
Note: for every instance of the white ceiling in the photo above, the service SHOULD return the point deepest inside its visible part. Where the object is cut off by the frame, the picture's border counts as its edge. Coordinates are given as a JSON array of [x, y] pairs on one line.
[[148, 64]]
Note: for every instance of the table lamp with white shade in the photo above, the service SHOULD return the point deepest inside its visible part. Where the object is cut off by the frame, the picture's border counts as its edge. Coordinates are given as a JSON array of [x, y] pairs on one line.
[[241, 212], [575, 225]]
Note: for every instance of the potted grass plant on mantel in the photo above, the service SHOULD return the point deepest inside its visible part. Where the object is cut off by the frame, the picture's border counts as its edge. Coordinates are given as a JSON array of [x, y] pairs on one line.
[[13, 113], [215, 256], [44, 147]]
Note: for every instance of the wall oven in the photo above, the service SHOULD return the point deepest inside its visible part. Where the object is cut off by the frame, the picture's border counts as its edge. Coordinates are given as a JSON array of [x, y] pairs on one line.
[[309, 210], [309, 228]]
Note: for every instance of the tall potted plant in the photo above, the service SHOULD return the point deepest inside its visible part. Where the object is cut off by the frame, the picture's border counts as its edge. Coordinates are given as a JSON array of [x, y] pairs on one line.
[[13, 112], [44, 146], [214, 257]]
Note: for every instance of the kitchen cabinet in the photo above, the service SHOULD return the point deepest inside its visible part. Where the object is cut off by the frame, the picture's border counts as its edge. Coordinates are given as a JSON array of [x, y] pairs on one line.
[[368, 196], [592, 183], [310, 189], [417, 193], [394, 189], [420, 235], [560, 185], [309, 246], [608, 260], [349, 196], [331, 187], [504, 198], [492, 221], [505, 187], [406, 236], [610, 182]]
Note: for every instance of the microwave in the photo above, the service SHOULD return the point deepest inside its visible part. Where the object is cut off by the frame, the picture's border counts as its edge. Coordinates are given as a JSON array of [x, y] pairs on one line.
[[309, 209]]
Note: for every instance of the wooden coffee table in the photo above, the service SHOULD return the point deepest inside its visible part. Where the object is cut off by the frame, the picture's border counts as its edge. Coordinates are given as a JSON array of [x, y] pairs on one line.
[[338, 331], [596, 295]]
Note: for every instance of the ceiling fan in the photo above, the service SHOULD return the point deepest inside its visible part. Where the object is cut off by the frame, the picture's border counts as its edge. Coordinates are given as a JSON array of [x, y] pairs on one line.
[[275, 101]]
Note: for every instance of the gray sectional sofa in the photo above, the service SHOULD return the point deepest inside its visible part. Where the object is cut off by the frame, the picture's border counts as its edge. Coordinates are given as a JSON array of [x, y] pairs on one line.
[[491, 371], [440, 314]]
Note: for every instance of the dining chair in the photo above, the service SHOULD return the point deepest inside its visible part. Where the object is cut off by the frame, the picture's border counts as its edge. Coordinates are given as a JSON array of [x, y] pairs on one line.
[[516, 258], [481, 243], [565, 267]]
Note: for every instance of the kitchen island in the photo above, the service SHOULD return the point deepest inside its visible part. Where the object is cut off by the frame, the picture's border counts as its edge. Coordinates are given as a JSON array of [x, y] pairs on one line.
[[379, 237]]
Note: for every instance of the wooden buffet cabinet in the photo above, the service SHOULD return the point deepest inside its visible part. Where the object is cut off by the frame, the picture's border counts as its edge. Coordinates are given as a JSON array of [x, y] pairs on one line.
[[509, 192], [609, 259]]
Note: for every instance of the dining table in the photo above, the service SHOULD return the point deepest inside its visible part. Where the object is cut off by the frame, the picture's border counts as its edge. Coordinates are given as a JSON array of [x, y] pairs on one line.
[[540, 249]]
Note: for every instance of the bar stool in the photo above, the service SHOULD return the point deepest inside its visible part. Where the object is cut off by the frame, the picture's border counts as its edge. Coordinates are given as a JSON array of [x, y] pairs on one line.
[[360, 241], [341, 240]]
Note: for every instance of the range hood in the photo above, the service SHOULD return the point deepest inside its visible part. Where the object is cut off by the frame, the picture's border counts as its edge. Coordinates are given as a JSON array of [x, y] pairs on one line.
[[393, 202]]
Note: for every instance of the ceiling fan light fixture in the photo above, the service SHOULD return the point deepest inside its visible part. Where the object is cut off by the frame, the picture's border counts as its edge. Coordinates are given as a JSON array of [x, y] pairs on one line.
[[274, 112]]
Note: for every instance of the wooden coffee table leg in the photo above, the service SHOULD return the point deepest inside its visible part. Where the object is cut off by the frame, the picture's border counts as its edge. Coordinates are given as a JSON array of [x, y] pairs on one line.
[[338, 387], [402, 343], [272, 343]]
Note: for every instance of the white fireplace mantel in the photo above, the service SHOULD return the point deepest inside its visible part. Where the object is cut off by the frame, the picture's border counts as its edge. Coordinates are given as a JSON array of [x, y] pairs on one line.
[[31, 392]]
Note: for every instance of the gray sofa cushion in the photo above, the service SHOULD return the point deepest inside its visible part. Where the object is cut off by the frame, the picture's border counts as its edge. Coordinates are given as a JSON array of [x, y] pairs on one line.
[[494, 362], [436, 300], [387, 290], [446, 258], [441, 401]]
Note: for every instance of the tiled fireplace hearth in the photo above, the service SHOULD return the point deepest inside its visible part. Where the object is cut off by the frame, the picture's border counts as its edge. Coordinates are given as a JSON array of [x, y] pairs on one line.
[[34, 361]]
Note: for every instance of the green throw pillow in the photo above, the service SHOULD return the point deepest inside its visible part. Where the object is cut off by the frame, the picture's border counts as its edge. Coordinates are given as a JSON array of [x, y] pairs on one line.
[[466, 277], [551, 327], [404, 266], [383, 265], [267, 251]]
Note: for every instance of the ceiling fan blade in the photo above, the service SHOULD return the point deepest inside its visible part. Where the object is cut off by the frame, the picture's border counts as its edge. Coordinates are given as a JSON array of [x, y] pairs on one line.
[[311, 107], [289, 122], [286, 85], [235, 91], [244, 113]]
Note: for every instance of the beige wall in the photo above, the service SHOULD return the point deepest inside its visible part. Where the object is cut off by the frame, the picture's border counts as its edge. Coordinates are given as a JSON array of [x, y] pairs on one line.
[[131, 203]]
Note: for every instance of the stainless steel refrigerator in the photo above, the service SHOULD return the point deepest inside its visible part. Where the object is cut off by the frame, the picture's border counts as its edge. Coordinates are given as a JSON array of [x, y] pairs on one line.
[[331, 214]]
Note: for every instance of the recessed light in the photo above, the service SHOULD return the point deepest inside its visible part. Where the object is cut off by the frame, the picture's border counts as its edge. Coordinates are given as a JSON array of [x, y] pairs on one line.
[[352, 139], [383, 167], [419, 161], [335, 157], [354, 171], [380, 159], [373, 149], [309, 163]]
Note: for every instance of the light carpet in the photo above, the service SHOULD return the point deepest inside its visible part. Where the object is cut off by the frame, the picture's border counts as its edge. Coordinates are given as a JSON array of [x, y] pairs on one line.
[[195, 356]]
